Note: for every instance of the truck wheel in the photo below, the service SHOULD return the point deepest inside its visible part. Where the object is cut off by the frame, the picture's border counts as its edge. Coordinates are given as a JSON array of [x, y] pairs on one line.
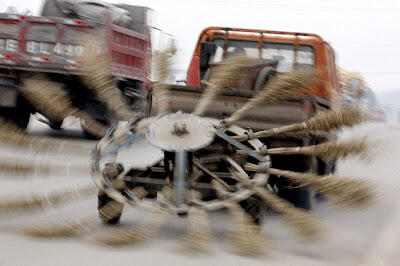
[[22, 118], [20, 115], [106, 216], [56, 125], [265, 74], [300, 197]]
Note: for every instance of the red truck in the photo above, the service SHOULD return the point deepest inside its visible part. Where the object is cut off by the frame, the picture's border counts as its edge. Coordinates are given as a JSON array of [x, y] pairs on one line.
[[53, 44]]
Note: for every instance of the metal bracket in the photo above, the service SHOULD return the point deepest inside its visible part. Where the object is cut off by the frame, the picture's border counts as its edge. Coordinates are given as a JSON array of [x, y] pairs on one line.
[[240, 146]]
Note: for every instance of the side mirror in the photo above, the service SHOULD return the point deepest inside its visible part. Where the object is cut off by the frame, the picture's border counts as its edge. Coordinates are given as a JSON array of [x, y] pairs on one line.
[[207, 50]]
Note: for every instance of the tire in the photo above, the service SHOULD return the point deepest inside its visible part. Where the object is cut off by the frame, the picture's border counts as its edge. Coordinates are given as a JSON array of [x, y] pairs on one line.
[[255, 208], [109, 218], [20, 115], [265, 74], [300, 197]]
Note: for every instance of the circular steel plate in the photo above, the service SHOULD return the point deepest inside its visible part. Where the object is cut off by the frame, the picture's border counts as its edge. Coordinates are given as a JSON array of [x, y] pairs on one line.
[[180, 132]]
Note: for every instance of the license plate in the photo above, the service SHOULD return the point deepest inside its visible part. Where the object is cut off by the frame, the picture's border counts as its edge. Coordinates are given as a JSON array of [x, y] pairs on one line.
[[8, 97]]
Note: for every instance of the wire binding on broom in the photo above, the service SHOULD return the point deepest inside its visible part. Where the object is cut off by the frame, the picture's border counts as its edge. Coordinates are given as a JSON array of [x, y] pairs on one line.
[[273, 92], [343, 191], [327, 121], [226, 74]]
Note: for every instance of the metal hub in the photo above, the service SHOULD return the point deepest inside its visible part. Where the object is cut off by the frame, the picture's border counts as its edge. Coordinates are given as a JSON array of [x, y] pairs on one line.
[[180, 132]]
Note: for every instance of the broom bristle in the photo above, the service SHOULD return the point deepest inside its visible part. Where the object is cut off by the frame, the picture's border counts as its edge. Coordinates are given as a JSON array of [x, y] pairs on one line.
[[12, 134], [246, 237], [54, 102], [161, 88], [23, 169], [15, 168], [343, 191], [330, 120], [150, 226], [225, 75], [198, 235], [274, 91], [329, 150], [303, 223], [64, 229], [99, 79], [53, 199]]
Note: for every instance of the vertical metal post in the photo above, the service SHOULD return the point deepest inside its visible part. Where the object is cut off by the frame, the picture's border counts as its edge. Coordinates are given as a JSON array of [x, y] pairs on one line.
[[180, 178]]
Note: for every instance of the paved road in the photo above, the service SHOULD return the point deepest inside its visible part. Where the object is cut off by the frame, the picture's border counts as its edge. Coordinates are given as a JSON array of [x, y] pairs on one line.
[[360, 237]]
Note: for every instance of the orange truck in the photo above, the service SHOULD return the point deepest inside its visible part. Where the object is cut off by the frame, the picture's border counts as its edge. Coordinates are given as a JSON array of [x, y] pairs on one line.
[[274, 51]]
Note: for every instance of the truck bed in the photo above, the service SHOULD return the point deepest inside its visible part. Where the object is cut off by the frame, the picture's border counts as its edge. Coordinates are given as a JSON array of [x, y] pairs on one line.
[[292, 109], [57, 44]]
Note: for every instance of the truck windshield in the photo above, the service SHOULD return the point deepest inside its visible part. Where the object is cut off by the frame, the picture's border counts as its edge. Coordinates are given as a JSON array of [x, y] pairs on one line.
[[283, 52]]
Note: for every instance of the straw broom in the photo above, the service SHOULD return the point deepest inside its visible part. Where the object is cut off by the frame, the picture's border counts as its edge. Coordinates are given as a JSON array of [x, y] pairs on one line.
[[332, 150], [343, 191], [101, 82], [54, 102], [303, 223], [17, 168], [329, 150], [85, 224], [327, 121], [124, 236], [225, 75], [65, 229], [273, 92], [51, 199], [160, 88], [11, 134], [246, 236], [198, 235]]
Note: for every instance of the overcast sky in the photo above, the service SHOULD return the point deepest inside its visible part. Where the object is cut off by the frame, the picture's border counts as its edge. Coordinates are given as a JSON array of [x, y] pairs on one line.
[[364, 33]]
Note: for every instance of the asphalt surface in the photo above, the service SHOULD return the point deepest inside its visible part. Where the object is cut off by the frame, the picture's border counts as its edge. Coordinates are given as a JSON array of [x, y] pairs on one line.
[[352, 237]]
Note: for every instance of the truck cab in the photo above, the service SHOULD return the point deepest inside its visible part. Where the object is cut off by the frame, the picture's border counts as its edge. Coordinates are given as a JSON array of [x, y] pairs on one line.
[[292, 50]]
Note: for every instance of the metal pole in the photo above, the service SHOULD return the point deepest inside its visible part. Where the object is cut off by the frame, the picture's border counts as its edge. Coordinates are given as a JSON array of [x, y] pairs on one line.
[[180, 178]]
